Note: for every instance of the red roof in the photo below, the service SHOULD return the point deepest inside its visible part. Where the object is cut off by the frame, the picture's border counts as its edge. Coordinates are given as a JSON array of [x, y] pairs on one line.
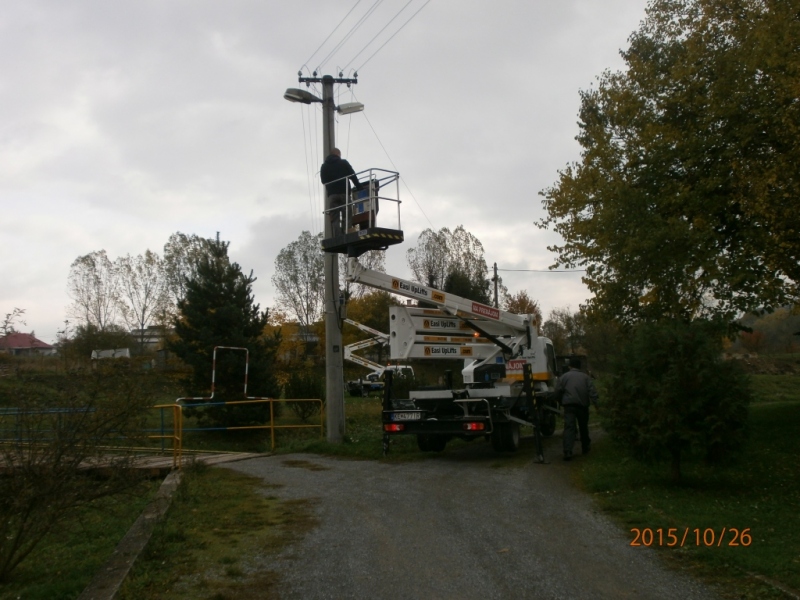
[[22, 340]]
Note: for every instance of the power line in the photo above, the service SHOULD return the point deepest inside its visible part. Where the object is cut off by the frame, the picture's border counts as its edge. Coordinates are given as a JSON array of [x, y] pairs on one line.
[[308, 174], [394, 34], [349, 34], [544, 270], [377, 34], [317, 152], [313, 191], [332, 32], [395, 167]]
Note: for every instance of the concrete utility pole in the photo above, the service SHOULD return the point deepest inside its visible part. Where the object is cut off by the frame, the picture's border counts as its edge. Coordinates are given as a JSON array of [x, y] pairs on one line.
[[334, 364], [334, 367]]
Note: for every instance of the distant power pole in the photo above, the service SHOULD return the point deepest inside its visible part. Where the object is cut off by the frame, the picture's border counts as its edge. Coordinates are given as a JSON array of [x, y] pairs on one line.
[[334, 364], [495, 286]]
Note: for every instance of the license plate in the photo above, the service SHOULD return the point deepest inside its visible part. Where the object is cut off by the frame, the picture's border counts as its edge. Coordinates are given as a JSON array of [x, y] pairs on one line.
[[406, 416]]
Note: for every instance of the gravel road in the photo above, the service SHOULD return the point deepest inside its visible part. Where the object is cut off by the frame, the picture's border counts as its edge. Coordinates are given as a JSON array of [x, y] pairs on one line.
[[464, 524]]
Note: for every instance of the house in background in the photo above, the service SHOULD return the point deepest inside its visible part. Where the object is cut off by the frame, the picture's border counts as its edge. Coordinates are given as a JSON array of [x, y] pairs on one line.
[[25, 344], [113, 353], [152, 338]]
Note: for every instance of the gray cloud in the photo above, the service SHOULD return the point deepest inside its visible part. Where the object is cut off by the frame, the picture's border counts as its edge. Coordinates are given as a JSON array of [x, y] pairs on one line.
[[121, 123]]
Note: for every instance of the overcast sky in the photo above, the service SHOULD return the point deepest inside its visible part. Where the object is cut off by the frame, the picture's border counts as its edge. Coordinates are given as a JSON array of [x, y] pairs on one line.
[[123, 122]]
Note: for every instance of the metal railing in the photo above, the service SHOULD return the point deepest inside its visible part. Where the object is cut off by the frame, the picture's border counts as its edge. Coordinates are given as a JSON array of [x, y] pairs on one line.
[[205, 401], [177, 432], [13, 433], [272, 426], [361, 208]]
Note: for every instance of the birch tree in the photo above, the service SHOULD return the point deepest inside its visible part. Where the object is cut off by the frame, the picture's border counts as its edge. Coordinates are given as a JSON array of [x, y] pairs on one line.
[[452, 261], [93, 287], [143, 290], [182, 256], [299, 279]]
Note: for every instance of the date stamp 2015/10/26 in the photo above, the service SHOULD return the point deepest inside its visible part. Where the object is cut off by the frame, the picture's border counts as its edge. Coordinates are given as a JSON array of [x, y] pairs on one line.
[[675, 538]]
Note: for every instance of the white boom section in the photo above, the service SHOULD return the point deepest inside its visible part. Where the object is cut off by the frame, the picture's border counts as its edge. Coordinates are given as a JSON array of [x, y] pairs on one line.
[[367, 329], [349, 349], [421, 333], [360, 360], [516, 331], [449, 303]]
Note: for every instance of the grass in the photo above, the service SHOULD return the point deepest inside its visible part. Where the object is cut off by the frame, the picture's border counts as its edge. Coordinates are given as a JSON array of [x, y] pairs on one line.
[[363, 437], [760, 491], [66, 561], [775, 388], [217, 540], [362, 440]]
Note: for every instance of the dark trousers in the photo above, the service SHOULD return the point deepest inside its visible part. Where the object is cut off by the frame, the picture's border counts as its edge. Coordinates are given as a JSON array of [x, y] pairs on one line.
[[573, 413], [336, 203]]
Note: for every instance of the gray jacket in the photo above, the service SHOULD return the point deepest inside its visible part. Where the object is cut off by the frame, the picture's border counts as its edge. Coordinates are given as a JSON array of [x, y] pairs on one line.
[[576, 387]]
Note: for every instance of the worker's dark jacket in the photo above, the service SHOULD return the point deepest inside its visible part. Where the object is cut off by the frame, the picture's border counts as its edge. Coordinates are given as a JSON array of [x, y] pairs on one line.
[[334, 172], [576, 388]]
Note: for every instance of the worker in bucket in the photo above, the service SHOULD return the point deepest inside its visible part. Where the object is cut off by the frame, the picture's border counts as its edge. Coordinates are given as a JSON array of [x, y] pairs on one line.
[[575, 390], [334, 174]]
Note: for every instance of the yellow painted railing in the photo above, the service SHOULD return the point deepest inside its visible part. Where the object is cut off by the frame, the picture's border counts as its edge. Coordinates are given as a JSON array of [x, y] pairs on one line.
[[178, 429], [177, 432]]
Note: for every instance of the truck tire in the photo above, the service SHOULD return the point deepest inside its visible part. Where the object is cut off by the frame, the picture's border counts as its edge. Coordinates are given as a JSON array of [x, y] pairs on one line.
[[429, 442], [547, 423], [505, 437]]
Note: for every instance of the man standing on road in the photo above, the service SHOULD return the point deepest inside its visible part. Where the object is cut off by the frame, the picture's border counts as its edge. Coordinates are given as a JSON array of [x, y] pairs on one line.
[[334, 174], [575, 390]]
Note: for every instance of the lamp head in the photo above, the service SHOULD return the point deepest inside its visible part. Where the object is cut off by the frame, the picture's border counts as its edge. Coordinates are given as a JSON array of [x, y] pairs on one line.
[[302, 96], [349, 107]]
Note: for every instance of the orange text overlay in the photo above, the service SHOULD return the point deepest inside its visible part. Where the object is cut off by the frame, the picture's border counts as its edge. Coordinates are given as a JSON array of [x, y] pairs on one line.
[[675, 537]]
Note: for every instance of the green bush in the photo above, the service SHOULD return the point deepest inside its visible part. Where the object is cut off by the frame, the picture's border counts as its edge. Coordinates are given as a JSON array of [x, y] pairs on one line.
[[671, 394]]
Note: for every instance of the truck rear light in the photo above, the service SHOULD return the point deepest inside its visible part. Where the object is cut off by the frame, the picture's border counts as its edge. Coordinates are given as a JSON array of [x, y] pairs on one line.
[[474, 426], [393, 427]]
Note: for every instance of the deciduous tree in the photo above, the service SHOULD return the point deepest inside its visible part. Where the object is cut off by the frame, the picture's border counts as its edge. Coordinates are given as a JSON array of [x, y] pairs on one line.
[[94, 288], [683, 202], [143, 290], [522, 304], [182, 255], [429, 260], [10, 321], [443, 259], [565, 329], [299, 279]]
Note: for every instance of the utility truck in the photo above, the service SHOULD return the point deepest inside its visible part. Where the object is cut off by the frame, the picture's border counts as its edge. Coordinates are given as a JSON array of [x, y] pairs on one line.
[[509, 370]]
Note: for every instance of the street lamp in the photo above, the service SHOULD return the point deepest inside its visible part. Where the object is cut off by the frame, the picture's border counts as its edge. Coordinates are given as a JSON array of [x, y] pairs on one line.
[[349, 108], [305, 97], [302, 96]]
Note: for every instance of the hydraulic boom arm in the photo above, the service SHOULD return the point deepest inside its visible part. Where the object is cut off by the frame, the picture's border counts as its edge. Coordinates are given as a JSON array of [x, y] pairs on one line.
[[511, 334]]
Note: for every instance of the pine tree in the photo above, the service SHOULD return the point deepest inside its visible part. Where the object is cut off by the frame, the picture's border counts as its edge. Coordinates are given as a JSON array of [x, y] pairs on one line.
[[219, 310]]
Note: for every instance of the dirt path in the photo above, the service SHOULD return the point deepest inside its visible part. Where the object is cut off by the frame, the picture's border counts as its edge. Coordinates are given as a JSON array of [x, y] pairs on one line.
[[466, 524]]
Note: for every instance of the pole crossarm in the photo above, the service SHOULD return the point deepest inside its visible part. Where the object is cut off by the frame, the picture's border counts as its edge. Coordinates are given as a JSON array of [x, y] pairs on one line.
[[326, 78]]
